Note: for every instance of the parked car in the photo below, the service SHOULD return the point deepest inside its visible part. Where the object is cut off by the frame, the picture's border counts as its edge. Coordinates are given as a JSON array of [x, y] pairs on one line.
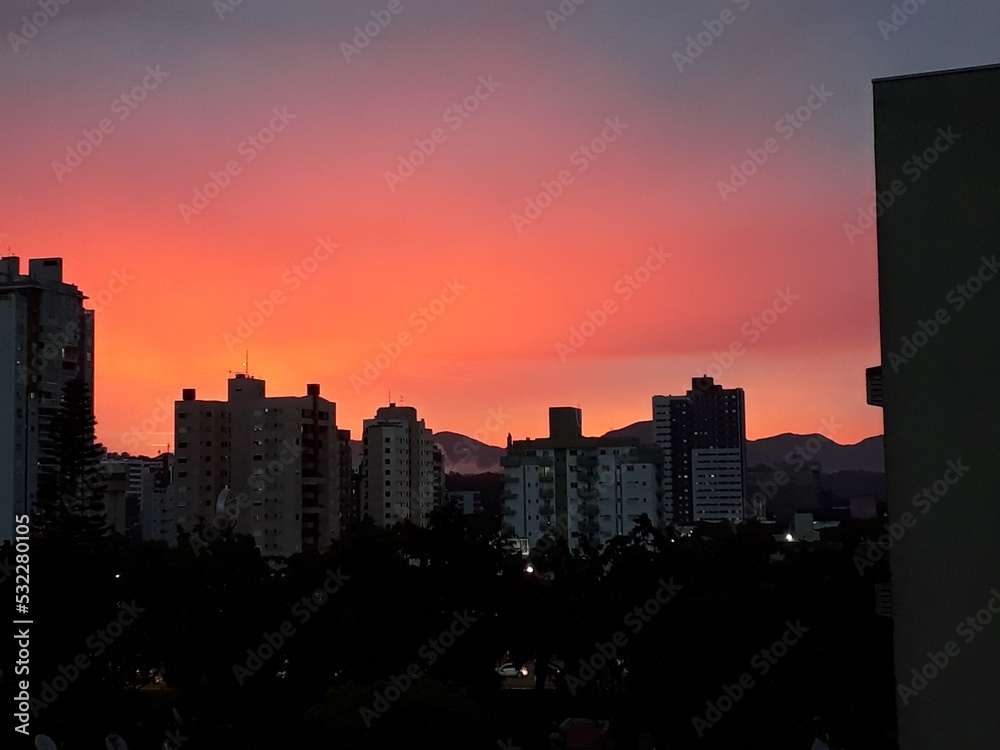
[[509, 670]]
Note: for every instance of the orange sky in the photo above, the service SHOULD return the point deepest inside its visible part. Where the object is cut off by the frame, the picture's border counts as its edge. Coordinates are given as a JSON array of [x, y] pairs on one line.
[[522, 289]]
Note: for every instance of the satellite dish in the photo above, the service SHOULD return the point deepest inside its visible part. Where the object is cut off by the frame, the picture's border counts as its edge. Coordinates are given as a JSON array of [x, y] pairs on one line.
[[227, 507], [43, 742], [115, 742]]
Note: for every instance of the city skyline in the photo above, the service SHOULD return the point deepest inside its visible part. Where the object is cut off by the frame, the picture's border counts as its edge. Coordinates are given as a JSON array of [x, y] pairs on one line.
[[657, 178]]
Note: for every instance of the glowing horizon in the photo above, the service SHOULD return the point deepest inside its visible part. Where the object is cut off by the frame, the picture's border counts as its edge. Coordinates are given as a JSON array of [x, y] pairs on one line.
[[585, 218]]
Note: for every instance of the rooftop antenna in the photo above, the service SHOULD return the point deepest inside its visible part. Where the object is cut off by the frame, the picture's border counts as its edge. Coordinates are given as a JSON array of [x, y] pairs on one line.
[[246, 364]]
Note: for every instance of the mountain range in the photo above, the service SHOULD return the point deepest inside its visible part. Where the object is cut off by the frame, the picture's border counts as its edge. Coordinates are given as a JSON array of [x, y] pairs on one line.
[[466, 455]]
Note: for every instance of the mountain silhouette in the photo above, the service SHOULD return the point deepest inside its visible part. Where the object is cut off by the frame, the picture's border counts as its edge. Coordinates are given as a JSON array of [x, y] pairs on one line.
[[466, 455]]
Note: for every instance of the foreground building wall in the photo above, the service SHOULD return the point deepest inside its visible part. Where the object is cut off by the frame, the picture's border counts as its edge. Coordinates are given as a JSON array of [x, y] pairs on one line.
[[937, 152]]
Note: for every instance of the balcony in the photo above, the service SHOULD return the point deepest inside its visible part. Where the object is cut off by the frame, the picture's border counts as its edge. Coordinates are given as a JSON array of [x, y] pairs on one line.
[[509, 511], [545, 478], [546, 492], [509, 496], [588, 527], [587, 493], [589, 509], [511, 479], [589, 462], [510, 461], [546, 510]]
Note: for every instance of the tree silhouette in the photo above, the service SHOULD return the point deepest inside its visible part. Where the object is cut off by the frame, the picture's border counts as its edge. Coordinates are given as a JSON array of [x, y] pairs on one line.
[[70, 503]]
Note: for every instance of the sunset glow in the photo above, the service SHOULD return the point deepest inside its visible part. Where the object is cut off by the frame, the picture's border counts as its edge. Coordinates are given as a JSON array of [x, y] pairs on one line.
[[307, 253]]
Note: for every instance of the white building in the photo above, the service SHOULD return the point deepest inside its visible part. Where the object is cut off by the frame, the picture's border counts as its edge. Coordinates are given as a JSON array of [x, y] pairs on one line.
[[467, 501], [274, 461], [577, 487], [401, 480], [46, 340]]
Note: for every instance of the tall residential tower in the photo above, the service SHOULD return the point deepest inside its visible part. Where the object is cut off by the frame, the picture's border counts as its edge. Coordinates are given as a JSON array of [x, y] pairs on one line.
[[400, 475], [575, 487], [46, 340], [703, 438], [275, 460]]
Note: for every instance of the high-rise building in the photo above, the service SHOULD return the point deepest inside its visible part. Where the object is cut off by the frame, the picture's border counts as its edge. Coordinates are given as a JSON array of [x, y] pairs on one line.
[[349, 509], [276, 460], [46, 340], [575, 487], [937, 157], [159, 509], [400, 478], [703, 438], [135, 497]]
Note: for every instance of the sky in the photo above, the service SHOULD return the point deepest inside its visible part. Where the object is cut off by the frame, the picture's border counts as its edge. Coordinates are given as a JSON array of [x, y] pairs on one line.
[[480, 209]]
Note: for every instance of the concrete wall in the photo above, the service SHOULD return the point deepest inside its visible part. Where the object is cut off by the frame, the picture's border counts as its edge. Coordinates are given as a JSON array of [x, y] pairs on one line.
[[942, 401]]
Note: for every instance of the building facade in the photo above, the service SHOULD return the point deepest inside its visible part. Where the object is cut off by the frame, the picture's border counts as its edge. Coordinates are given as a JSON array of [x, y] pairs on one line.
[[575, 487], [401, 478], [937, 152], [702, 436], [272, 462], [46, 340]]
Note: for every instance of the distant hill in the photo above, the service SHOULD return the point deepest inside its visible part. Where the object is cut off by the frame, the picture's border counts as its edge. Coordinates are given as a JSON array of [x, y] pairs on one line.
[[868, 455], [462, 454], [466, 455]]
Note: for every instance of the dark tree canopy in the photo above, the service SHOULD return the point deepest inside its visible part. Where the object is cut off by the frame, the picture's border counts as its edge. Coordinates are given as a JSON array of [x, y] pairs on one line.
[[70, 503]]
